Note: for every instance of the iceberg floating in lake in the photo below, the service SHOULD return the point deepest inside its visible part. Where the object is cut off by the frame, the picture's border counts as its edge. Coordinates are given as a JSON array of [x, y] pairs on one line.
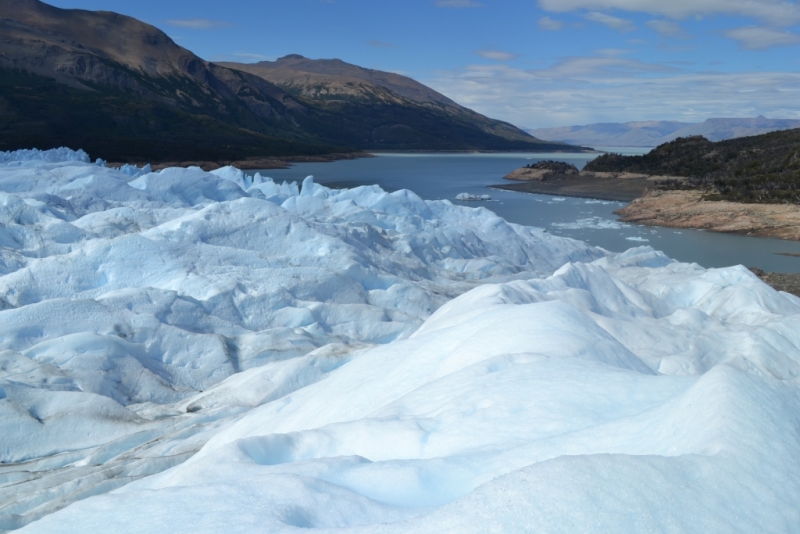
[[590, 223], [184, 351], [468, 196]]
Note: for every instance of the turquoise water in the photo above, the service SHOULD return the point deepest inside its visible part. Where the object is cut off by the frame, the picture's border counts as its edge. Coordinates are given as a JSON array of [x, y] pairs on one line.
[[443, 176]]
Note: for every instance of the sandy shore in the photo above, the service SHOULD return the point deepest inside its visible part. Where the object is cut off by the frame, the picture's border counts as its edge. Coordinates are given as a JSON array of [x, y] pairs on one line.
[[686, 209]]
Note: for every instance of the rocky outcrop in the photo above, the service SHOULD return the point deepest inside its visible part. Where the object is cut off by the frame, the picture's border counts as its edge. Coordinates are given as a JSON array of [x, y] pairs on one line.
[[789, 283], [687, 209], [526, 174], [542, 170]]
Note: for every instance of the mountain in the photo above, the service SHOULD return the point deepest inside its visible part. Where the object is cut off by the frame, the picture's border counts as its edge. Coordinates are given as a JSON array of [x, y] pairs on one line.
[[763, 168], [381, 110], [654, 133], [313, 78], [123, 90]]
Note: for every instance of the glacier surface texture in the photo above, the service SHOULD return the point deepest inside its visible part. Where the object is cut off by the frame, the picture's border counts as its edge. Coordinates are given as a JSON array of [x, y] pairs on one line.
[[184, 351]]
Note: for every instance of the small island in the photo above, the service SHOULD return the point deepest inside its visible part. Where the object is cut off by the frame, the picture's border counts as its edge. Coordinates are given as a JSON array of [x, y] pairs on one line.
[[564, 179]]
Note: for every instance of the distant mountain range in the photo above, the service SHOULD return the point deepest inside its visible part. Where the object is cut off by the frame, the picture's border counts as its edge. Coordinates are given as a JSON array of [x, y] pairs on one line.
[[654, 133], [123, 90]]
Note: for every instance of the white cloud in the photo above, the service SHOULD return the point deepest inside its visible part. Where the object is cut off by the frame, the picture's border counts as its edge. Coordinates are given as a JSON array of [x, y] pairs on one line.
[[496, 55], [757, 38], [574, 68], [777, 12], [458, 3], [666, 28], [198, 24], [615, 23], [546, 23], [589, 90]]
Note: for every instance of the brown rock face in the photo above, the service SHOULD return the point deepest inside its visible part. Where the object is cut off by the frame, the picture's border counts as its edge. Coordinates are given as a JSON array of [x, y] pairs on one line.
[[48, 34], [687, 209], [526, 174]]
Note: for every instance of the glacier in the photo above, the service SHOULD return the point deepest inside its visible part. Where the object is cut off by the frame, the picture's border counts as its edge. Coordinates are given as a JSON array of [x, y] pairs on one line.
[[192, 351]]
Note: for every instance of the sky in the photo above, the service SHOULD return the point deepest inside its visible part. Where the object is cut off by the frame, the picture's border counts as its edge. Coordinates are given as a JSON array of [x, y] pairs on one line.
[[533, 63]]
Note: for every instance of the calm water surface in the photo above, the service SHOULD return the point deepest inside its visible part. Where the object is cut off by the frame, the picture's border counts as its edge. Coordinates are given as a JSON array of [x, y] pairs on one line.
[[443, 176]]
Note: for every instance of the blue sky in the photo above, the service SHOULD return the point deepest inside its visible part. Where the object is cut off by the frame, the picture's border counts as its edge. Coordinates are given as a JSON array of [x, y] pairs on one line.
[[534, 63]]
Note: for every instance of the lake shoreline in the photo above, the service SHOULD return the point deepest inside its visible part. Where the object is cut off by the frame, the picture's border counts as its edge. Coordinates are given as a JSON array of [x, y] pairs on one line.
[[269, 163], [556, 192], [438, 177], [285, 162], [583, 185], [789, 283], [683, 209]]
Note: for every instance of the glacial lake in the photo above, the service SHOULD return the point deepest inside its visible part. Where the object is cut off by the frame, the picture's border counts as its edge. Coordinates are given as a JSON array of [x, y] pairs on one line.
[[443, 176]]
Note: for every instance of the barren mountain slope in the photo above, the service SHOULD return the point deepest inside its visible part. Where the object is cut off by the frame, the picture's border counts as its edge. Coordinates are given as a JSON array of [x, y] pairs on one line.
[[289, 68], [85, 48], [332, 84], [123, 90]]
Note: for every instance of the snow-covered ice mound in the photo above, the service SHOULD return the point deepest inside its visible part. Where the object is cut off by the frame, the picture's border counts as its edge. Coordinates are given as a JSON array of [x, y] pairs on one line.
[[314, 360], [129, 296], [629, 394]]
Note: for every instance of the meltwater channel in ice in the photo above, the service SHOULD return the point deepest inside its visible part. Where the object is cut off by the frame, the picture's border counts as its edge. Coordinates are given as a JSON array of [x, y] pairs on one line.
[[185, 351]]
